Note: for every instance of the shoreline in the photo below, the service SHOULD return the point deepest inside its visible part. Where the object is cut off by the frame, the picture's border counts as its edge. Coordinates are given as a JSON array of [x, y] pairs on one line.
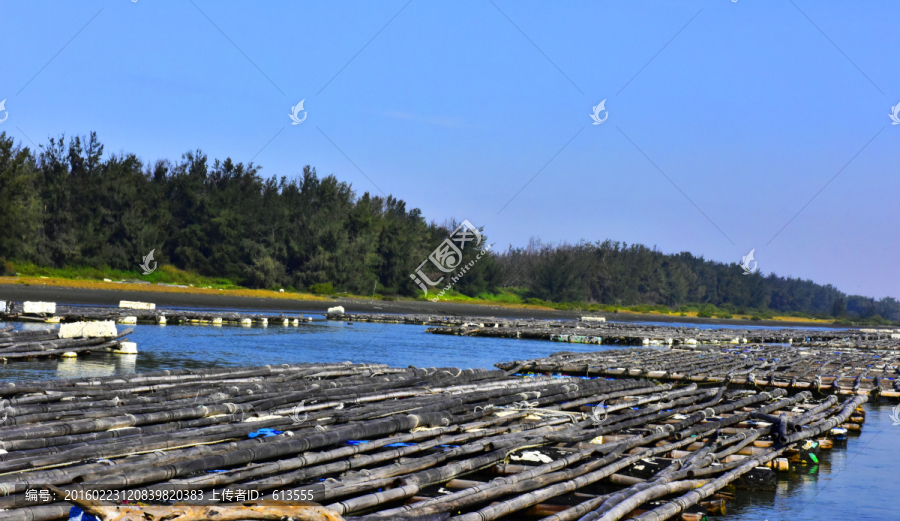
[[265, 300]]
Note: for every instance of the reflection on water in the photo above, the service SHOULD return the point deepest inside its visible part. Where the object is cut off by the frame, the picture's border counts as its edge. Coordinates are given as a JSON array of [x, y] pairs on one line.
[[96, 365], [856, 482]]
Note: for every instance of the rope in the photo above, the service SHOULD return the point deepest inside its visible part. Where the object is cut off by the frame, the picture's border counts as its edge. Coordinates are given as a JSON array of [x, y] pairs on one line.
[[531, 408]]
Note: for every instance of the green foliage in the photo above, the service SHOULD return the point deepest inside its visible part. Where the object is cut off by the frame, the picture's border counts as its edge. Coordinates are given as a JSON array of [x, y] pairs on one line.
[[164, 274], [707, 311], [19, 200], [618, 274], [322, 289], [754, 317], [70, 207], [507, 296]]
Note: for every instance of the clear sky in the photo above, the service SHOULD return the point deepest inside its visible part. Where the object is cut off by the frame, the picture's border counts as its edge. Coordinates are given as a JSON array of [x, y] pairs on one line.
[[724, 119]]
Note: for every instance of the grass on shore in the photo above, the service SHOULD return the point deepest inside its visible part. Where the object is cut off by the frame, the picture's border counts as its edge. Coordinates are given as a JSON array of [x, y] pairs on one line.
[[516, 298], [165, 274], [168, 279]]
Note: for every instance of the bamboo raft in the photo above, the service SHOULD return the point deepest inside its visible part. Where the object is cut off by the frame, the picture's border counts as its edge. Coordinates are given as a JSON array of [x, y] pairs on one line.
[[32, 344], [399, 443], [15, 311], [589, 331], [824, 370]]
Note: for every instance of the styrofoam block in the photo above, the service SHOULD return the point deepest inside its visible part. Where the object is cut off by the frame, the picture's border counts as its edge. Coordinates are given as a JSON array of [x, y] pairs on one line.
[[264, 321], [69, 354], [336, 309], [106, 328], [593, 319], [4, 306], [131, 304], [246, 321], [217, 320], [295, 322], [39, 307], [127, 320], [161, 320], [126, 348]]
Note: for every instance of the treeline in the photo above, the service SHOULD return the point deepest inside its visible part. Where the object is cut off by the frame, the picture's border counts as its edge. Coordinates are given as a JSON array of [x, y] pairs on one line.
[[67, 205], [618, 274]]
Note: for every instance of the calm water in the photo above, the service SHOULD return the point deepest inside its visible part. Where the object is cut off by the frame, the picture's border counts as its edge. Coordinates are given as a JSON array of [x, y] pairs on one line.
[[196, 346], [856, 482]]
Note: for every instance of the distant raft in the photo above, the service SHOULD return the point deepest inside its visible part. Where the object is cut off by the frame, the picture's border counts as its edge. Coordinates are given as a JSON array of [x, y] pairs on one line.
[[843, 372], [133, 312]]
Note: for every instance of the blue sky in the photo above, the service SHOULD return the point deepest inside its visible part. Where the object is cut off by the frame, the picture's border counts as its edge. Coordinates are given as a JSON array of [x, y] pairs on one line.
[[755, 110]]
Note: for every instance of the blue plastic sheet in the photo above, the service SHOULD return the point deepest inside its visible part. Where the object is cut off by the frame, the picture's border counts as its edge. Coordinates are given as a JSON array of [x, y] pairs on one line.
[[77, 514], [265, 432]]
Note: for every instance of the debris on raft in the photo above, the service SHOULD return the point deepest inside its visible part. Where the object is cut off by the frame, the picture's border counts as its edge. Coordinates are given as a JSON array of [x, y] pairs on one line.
[[616, 333], [398, 443], [69, 340], [137, 312], [844, 371]]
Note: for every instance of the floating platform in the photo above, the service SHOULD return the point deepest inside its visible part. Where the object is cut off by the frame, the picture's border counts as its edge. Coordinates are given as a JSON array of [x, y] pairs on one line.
[[139, 313], [824, 370], [400, 443], [63, 342], [589, 331]]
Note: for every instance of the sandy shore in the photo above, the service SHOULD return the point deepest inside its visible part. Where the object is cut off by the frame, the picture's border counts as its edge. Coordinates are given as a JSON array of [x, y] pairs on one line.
[[171, 297]]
